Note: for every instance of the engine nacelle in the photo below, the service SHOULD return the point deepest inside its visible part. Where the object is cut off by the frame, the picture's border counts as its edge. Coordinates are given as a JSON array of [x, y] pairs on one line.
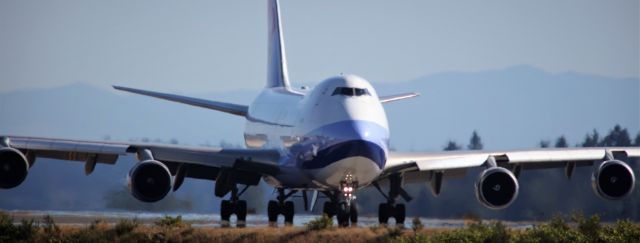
[[496, 188], [613, 180], [14, 167], [150, 181]]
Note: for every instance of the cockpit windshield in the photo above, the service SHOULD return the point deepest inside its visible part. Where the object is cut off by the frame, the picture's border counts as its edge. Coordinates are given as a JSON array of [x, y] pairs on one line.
[[347, 91]]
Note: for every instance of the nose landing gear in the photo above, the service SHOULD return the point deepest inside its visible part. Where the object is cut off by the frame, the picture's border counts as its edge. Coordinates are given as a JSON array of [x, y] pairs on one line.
[[342, 203], [348, 188], [346, 213]]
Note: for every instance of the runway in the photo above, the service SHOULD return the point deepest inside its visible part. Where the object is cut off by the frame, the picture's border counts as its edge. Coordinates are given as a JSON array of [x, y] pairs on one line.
[[79, 218]]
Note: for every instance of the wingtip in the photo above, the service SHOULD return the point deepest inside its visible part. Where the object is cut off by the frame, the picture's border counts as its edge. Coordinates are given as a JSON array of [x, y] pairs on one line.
[[122, 88]]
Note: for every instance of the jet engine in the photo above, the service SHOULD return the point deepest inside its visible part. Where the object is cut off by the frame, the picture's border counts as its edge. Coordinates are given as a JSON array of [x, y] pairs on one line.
[[496, 188], [150, 181], [613, 180], [14, 167]]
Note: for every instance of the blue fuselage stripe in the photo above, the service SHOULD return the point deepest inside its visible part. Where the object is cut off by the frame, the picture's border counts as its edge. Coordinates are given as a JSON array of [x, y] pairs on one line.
[[341, 140]]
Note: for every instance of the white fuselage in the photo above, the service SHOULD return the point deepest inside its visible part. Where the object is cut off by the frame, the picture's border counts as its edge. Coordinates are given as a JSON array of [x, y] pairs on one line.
[[337, 130]]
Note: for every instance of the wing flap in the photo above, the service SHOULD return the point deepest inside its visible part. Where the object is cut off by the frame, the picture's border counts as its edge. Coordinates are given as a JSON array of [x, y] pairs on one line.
[[76, 156], [74, 150]]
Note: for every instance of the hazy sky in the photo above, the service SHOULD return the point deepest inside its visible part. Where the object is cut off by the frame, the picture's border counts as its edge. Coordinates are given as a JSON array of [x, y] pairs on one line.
[[192, 46]]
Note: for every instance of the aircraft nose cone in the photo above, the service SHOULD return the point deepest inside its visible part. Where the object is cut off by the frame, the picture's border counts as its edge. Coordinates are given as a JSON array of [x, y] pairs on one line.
[[347, 149]]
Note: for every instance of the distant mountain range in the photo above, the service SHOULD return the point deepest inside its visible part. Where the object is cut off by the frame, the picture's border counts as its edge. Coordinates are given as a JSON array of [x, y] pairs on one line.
[[515, 107]]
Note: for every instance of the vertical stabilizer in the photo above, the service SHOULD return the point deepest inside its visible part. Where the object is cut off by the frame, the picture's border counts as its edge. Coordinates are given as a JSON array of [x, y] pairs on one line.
[[277, 74]]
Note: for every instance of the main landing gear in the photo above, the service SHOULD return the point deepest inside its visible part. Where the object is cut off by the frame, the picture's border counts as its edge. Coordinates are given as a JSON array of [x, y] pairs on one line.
[[281, 207], [234, 206], [225, 184], [391, 209]]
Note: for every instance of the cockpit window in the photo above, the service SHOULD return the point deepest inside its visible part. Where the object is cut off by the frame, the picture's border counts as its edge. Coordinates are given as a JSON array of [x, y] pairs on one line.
[[350, 91], [360, 92]]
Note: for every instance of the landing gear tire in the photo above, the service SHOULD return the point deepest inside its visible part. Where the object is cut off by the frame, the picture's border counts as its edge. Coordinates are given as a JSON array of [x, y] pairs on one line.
[[353, 214], [386, 211], [330, 209], [400, 214], [383, 213], [241, 213], [288, 213], [225, 212], [272, 211], [228, 208], [343, 215], [347, 216], [274, 208]]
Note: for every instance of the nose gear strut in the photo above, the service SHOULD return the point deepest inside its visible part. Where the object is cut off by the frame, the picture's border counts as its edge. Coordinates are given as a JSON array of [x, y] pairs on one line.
[[348, 188]]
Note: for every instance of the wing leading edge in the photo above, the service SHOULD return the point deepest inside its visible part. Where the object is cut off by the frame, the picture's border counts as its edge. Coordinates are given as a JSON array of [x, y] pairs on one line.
[[391, 98], [239, 110]]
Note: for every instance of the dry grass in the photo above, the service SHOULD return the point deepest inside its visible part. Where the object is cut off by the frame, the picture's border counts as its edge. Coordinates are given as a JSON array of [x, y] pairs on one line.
[[289, 234], [586, 229], [105, 233]]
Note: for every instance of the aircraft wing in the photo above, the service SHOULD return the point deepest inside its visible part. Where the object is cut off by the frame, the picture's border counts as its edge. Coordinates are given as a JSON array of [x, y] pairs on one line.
[[200, 162], [524, 159], [239, 110], [497, 185], [391, 98]]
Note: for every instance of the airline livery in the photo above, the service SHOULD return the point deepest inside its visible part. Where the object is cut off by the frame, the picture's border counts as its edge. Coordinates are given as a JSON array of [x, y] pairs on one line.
[[331, 140]]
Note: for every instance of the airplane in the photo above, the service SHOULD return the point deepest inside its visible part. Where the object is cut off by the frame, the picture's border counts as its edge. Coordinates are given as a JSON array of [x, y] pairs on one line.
[[331, 140]]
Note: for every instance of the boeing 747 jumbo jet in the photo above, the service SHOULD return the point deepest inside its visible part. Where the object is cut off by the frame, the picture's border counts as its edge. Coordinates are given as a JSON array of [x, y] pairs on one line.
[[330, 140]]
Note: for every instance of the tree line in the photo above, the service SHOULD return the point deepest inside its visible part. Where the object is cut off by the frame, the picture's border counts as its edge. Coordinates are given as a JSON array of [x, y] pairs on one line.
[[617, 137]]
